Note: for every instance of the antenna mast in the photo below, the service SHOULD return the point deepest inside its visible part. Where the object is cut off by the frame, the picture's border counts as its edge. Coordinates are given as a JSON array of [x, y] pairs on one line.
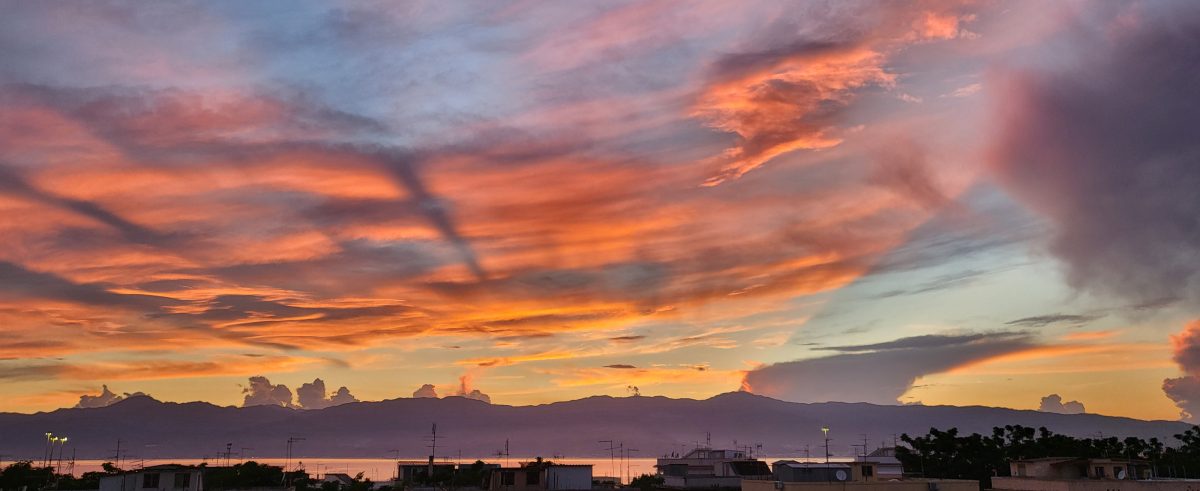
[[432, 451]]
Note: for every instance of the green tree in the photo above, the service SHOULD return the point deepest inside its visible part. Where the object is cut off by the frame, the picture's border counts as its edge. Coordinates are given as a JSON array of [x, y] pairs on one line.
[[23, 474], [647, 482]]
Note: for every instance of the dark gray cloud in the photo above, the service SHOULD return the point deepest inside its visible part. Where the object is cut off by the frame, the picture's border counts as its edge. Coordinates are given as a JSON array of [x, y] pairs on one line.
[[26, 370], [620, 366], [1048, 319], [639, 281], [627, 339], [1107, 148], [928, 341], [435, 209], [878, 373], [17, 282], [11, 183], [234, 307], [1185, 393], [179, 137]]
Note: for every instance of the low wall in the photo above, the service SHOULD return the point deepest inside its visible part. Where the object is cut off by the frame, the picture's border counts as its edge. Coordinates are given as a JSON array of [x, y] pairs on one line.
[[1034, 484], [905, 485]]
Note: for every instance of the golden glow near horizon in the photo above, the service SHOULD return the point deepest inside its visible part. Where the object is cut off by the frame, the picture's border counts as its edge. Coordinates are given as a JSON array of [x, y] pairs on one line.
[[814, 201]]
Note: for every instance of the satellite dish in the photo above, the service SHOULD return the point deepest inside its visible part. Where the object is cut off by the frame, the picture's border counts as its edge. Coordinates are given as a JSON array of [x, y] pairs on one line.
[[1120, 473], [840, 475]]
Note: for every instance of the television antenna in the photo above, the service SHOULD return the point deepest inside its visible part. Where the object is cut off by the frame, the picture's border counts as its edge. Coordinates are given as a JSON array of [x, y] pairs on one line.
[[612, 456], [504, 453], [291, 441]]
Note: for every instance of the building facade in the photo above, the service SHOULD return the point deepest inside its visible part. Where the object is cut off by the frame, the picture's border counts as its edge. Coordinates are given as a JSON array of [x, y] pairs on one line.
[[890, 485], [168, 477], [1080, 474], [541, 477], [705, 468]]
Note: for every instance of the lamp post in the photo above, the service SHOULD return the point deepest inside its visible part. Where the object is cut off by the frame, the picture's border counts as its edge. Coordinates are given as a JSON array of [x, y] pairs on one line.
[[62, 443], [46, 451], [53, 441], [825, 430]]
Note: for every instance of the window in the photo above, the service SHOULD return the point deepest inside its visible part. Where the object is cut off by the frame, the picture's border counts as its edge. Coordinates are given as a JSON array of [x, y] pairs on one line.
[[532, 478], [150, 480], [868, 471], [507, 478], [182, 480], [1099, 472]]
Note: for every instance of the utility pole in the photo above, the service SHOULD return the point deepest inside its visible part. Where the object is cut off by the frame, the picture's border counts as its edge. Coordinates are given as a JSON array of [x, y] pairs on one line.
[[242, 453], [628, 471], [432, 451], [624, 453], [117, 455]]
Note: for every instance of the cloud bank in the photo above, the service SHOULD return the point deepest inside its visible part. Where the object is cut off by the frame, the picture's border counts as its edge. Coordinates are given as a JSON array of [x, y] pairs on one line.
[[311, 395], [877, 373], [1106, 147]]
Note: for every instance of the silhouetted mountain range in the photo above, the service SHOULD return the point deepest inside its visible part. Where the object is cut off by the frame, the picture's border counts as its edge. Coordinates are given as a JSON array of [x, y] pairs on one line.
[[655, 425]]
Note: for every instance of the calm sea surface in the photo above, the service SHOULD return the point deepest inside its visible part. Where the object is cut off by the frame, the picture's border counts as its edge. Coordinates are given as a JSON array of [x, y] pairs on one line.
[[385, 469]]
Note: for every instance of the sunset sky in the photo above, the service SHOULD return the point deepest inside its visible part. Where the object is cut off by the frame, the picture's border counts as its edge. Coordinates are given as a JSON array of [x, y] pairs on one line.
[[967, 203]]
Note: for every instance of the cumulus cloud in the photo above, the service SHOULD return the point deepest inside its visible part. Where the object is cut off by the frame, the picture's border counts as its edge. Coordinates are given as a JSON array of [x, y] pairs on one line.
[[1053, 403], [1185, 390], [1106, 147], [313, 396], [464, 390], [877, 373], [261, 392], [426, 391], [105, 398]]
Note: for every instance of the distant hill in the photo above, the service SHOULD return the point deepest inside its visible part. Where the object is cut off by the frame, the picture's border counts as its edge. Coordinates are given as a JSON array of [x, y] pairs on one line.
[[655, 425]]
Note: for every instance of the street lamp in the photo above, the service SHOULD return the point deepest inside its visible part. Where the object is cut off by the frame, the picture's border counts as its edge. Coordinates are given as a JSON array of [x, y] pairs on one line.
[[825, 430], [46, 451], [62, 443]]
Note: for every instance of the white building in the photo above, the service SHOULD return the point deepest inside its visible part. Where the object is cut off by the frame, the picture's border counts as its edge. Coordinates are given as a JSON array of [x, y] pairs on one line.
[[167, 477], [541, 477], [709, 468]]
